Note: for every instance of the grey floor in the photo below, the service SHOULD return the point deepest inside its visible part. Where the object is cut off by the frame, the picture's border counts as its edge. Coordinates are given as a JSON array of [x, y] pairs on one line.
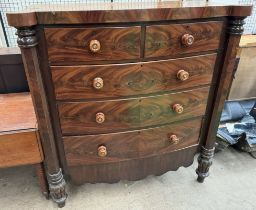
[[231, 186]]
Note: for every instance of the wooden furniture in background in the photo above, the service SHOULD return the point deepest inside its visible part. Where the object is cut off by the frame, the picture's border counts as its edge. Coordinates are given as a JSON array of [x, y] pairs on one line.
[[124, 90], [12, 74], [19, 137], [243, 86]]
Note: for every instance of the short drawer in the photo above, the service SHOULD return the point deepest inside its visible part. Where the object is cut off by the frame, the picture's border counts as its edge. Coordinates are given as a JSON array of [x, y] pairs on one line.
[[94, 117], [119, 80], [114, 147], [176, 39], [78, 45]]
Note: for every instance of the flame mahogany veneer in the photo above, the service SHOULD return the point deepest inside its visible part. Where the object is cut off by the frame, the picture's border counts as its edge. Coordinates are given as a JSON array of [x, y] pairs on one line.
[[122, 91]]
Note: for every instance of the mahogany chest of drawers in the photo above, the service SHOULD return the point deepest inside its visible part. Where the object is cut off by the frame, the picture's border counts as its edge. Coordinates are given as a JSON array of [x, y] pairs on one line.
[[123, 91]]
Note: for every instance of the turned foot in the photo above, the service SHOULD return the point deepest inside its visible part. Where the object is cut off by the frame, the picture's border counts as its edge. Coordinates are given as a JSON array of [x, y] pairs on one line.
[[204, 163], [57, 188]]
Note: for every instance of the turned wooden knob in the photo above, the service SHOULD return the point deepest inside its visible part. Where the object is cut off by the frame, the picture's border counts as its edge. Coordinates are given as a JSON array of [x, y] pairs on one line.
[[187, 40], [100, 117], [173, 139], [182, 75], [102, 151], [177, 108], [94, 46], [98, 83]]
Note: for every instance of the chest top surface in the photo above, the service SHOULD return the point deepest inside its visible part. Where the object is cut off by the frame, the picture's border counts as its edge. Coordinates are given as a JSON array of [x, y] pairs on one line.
[[123, 12]]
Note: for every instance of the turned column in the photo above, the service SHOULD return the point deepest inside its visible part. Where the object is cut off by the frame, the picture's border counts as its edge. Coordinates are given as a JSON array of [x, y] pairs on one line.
[[234, 32], [27, 41]]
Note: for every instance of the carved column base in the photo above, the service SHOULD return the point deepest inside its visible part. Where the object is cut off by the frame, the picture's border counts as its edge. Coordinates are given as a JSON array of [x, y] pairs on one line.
[[204, 163], [57, 188]]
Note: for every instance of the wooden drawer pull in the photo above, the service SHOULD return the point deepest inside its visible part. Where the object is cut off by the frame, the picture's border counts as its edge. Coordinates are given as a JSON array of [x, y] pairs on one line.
[[102, 151], [98, 83], [173, 139], [100, 117], [187, 40], [182, 75], [94, 46], [178, 108]]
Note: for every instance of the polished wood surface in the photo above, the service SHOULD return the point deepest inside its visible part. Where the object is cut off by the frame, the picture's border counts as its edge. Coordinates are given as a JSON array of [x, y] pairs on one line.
[[133, 169], [166, 40], [77, 82], [123, 12], [32, 69], [92, 105], [73, 44], [17, 112], [20, 148], [79, 117], [19, 142], [83, 150]]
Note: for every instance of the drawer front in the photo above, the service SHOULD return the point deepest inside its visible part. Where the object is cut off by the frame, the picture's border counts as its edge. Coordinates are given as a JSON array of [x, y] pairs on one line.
[[74, 45], [176, 39], [110, 81], [94, 117], [20, 148], [93, 149]]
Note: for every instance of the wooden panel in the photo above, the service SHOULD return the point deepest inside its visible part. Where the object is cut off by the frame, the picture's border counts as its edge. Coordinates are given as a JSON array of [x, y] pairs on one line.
[[76, 82], [19, 148], [12, 74], [18, 112], [79, 117], [123, 12], [72, 44], [133, 169], [165, 40], [243, 86], [82, 150]]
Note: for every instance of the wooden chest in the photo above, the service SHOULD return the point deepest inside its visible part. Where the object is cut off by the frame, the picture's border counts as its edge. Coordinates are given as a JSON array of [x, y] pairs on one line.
[[123, 91]]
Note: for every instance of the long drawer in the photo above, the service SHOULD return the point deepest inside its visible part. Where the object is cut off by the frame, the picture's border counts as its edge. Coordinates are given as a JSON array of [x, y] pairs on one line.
[[177, 39], [93, 117], [74, 45], [119, 80], [115, 147]]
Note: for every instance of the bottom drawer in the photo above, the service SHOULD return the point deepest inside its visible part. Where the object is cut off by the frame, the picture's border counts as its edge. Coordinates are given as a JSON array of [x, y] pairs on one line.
[[116, 147]]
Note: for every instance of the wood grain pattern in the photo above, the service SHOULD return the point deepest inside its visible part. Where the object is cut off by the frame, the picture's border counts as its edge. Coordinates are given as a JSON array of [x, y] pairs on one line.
[[120, 80], [72, 44], [82, 150], [47, 78], [15, 108], [79, 117], [22, 19], [165, 40], [123, 12], [133, 169], [19, 148]]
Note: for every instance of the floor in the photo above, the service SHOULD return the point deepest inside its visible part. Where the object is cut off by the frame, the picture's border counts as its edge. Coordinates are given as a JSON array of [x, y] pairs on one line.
[[231, 186]]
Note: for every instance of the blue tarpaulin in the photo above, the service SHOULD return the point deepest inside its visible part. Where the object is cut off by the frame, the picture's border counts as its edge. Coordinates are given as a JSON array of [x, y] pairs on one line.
[[237, 121]]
